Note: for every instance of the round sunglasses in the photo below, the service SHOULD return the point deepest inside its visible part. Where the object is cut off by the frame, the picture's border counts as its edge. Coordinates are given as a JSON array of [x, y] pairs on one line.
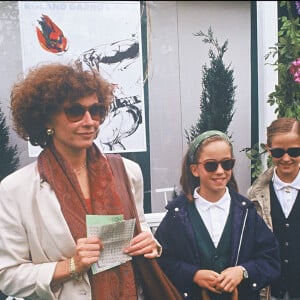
[[212, 166], [76, 112], [279, 152]]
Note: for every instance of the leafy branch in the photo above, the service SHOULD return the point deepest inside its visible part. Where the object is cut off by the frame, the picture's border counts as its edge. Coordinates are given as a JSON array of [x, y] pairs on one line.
[[256, 155], [286, 95]]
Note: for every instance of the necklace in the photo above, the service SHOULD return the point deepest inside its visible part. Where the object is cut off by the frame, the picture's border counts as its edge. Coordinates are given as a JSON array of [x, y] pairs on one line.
[[79, 169]]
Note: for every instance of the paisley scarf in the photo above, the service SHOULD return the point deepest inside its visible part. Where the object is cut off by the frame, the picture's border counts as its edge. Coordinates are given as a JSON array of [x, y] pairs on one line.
[[114, 284]]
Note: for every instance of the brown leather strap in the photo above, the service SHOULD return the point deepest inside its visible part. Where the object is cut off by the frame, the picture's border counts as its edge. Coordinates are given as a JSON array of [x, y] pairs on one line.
[[234, 295]]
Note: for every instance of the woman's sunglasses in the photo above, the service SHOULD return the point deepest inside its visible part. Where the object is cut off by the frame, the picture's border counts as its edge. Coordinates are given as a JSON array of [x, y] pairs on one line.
[[279, 152], [212, 166], [76, 112]]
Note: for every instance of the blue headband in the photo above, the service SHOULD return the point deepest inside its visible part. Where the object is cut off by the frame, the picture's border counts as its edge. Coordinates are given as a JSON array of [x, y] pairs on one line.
[[200, 138]]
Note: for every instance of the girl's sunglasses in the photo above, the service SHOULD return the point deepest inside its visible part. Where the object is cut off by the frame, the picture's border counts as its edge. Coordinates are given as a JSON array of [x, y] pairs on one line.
[[279, 152], [212, 166], [76, 112]]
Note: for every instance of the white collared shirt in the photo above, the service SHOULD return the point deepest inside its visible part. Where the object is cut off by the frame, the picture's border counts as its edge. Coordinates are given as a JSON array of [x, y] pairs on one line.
[[213, 214], [286, 192]]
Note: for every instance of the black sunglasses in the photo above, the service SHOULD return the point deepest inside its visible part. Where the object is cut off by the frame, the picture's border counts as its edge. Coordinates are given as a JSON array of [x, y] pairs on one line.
[[212, 166], [76, 112], [279, 152]]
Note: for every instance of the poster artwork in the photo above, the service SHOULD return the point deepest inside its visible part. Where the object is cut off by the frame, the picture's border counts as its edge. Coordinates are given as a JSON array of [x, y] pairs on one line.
[[105, 36]]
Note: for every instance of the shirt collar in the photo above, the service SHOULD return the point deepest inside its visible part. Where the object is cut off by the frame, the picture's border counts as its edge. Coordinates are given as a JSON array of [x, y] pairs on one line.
[[279, 184], [204, 205]]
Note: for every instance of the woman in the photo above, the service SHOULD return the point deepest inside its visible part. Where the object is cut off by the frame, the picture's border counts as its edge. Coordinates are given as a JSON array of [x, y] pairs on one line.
[[276, 196], [45, 253], [215, 244]]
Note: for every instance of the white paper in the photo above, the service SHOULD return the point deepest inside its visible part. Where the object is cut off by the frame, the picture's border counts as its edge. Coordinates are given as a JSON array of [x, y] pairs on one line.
[[115, 237]]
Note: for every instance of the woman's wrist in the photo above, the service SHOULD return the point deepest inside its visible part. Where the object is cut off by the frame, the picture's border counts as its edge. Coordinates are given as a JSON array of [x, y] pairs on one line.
[[73, 274]]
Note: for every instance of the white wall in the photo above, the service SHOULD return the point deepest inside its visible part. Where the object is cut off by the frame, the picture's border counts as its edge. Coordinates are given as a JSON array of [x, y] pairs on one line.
[[176, 58], [267, 36]]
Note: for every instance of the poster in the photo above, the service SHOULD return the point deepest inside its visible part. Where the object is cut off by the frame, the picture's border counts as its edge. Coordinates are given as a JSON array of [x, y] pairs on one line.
[[105, 36]]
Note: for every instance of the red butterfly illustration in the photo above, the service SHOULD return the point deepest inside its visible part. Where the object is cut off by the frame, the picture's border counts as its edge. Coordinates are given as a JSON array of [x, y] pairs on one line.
[[51, 37]]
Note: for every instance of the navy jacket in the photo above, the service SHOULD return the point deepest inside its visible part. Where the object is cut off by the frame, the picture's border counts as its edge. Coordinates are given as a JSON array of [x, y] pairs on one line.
[[253, 246]]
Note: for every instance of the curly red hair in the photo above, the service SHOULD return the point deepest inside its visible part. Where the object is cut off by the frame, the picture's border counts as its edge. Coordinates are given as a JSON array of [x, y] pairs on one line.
[[36, 98]]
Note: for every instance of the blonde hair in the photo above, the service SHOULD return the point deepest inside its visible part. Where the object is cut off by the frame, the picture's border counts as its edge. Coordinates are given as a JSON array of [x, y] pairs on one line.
[[280, 126]]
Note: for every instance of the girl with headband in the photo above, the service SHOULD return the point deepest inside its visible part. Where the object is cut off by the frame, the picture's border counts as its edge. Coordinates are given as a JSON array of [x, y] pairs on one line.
[[276, 196], [215, 245]]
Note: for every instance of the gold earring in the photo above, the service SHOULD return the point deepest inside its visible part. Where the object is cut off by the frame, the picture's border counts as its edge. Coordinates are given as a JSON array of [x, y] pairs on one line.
[[50, 131]]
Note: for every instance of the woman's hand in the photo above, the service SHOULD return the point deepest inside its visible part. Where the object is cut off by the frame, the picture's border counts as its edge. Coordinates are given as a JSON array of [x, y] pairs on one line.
[[87, 252], [143, 244]]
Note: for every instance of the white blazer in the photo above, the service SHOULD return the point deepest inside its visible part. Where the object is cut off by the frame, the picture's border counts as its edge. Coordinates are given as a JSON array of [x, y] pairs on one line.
[[35, 236]]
